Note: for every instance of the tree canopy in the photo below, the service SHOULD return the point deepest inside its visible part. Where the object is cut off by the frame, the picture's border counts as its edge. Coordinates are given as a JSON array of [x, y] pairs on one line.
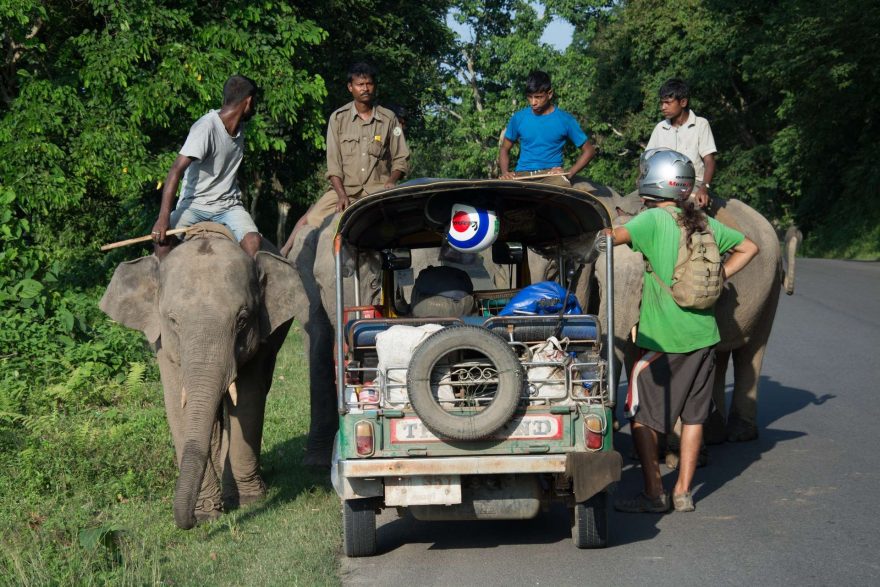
[[97, 96]]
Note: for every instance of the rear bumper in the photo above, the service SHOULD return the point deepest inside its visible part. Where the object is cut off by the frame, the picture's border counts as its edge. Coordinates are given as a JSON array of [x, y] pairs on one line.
[[481, 465]]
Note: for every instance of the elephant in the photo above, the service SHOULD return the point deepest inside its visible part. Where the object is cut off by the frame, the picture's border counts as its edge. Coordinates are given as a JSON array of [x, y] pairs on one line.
[[744, 312], [216, 318], [313, 293]]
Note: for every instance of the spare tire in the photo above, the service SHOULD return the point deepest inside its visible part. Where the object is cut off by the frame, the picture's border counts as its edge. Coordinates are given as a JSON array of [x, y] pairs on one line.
[[484, 370]]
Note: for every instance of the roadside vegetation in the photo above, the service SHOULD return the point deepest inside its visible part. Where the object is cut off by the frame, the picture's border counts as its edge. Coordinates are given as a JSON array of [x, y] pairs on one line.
[[97, 96], [85, 494]]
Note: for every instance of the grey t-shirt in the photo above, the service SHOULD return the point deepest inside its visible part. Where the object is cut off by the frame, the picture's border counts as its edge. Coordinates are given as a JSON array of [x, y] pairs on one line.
[[210, 182]]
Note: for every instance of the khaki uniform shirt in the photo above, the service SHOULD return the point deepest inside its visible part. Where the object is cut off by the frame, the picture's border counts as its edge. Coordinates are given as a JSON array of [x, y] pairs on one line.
[[693, 138], [365, 153]]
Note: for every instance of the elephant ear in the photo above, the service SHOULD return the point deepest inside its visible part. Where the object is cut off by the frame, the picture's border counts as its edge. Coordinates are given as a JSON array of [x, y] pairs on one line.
[[278, 280], [132, 297]]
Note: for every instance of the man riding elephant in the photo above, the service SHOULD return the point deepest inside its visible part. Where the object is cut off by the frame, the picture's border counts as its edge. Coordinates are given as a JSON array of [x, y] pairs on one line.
[[542, 130], [366, 151]]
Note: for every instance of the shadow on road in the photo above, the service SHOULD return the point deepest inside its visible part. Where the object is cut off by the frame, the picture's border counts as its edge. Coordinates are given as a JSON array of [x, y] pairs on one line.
[[726, 461], [548, 528]]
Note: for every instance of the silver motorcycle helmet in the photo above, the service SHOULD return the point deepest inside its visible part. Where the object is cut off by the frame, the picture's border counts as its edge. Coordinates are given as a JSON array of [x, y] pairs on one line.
[[665, 175]]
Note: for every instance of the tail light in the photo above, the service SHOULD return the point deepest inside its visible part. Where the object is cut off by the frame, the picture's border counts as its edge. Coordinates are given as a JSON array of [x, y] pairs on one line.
[[363, 435], [595, 428]]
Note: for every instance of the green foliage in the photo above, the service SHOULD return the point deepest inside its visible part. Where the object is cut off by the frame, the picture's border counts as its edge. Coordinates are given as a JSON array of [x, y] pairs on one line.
[[789, 91]]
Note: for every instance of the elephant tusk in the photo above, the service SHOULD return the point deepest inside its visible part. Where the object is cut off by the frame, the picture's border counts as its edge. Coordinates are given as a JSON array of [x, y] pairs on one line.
[[233, 393], [182, 397]]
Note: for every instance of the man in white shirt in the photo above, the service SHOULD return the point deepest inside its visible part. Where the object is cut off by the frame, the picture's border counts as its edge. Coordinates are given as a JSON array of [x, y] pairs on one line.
[[683, 131]]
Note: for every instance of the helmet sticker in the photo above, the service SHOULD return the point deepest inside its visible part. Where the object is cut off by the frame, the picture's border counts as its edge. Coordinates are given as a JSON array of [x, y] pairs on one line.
[[472, 229]]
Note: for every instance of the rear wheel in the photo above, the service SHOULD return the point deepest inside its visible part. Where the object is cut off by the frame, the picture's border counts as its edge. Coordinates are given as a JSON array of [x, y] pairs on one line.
[[589, 522], [359, 527]]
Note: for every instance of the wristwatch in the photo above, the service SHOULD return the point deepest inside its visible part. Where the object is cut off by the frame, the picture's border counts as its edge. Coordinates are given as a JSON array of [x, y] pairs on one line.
[[707, 185]]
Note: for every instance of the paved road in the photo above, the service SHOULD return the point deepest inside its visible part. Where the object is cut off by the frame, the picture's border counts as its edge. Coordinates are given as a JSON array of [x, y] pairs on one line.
[[797, 506]]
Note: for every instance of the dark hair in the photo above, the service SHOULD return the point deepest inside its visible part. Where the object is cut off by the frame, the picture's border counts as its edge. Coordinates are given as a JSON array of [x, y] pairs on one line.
[[675, 88], [538, 81], [237, 88], [361, 69], [691, 219]]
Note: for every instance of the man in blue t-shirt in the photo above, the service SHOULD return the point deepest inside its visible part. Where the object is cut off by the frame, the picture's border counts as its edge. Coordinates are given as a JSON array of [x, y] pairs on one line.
[[542, 130]]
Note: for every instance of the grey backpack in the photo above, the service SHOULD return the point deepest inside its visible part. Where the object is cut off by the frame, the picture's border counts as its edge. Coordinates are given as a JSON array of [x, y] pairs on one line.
[[696, 280]]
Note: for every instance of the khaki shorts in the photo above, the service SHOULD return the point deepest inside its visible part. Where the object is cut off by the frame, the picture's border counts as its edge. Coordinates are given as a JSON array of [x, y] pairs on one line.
[[666, 386], [326, 207]]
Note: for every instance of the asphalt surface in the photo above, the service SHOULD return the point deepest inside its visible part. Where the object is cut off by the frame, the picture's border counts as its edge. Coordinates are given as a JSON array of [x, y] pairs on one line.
[[798, 506]]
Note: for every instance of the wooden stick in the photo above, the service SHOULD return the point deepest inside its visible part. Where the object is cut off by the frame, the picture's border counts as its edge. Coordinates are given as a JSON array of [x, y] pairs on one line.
[[540, 175], [143, 239]]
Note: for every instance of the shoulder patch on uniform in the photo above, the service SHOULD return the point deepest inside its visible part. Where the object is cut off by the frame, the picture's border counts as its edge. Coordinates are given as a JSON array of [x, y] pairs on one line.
[[397, 131]]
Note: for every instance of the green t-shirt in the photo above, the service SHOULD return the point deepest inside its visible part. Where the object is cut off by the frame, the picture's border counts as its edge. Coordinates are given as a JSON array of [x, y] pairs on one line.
[[664, 325]]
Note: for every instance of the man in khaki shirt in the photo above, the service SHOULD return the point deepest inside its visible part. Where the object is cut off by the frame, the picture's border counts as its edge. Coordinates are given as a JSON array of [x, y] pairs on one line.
[[366, 149]]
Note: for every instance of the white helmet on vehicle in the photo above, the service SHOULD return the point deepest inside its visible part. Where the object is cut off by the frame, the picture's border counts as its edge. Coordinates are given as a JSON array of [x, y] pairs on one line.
[[665, 175], [472, 229]]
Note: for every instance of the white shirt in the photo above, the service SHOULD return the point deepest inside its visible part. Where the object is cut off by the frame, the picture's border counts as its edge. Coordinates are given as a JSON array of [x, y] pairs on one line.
[[693, 138]]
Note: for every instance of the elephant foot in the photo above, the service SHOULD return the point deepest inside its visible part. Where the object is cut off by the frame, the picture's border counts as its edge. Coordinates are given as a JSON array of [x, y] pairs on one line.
[[319, 450], [207, 510], [714, 431], [320, 458], [243, 496], [738, 430]]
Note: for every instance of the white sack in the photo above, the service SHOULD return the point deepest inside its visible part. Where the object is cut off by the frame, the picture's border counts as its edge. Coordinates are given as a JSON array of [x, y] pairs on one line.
[[395, 348]]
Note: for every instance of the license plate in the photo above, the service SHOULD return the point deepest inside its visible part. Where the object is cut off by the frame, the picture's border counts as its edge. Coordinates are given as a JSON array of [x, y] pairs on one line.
[[529, 427], [423, 490]]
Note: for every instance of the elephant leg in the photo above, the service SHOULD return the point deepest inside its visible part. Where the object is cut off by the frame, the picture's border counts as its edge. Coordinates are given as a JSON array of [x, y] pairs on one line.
[[714, 431], [742, 425], [208, 504], [318, 342], [242, 483], [322, 391]]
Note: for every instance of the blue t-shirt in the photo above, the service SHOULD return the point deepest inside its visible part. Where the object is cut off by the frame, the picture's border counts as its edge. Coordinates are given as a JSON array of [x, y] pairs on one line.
[[541, 138]]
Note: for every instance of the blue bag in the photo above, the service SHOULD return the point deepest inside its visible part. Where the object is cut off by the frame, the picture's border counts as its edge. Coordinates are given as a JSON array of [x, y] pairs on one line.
[[541, 299]]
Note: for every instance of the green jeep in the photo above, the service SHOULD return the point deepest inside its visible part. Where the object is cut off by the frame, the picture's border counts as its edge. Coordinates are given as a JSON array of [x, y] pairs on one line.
[[451, 409]]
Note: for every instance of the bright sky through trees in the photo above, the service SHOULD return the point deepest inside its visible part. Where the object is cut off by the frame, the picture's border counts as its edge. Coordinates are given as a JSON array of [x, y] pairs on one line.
[[558, 32]]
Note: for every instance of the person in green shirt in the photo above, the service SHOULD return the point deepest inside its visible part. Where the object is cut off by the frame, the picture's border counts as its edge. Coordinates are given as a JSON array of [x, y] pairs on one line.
[[674, 376]]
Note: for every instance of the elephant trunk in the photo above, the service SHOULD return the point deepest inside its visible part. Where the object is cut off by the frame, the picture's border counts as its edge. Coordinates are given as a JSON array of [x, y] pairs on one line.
[[793, 237], [208, 369]]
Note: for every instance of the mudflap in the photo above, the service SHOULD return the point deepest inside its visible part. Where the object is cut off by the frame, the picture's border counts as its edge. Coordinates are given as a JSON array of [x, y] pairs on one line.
[[591, 472]]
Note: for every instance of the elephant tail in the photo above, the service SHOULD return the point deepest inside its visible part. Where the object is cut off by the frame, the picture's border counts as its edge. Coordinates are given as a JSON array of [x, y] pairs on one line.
[[793, 237]]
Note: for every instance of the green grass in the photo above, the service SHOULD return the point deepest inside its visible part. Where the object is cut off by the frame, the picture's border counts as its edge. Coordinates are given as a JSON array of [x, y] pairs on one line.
[[65, 520]]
